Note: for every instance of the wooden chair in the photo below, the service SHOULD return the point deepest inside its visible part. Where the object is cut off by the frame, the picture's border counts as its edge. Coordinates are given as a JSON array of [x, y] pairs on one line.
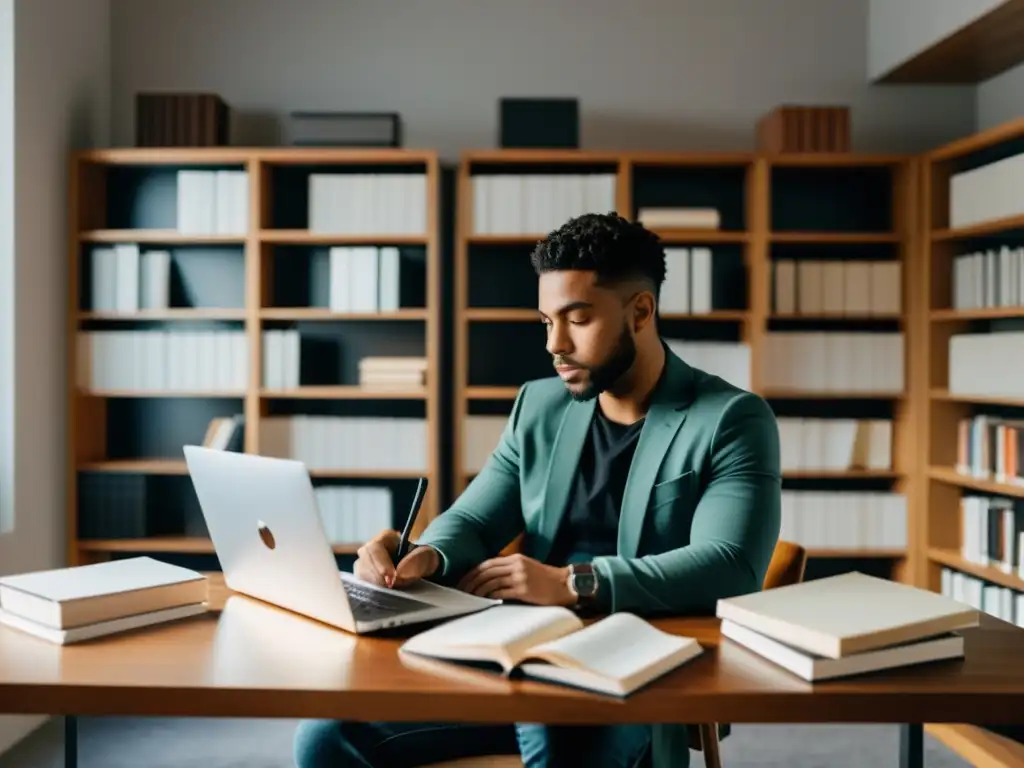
[[786, 567]]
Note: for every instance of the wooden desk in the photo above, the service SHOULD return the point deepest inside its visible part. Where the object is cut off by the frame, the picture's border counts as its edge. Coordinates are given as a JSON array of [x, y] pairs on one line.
[[249, 659]]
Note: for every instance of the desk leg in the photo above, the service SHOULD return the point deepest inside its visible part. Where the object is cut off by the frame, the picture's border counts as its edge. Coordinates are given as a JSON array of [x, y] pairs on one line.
[[70, 741], [911, 745]]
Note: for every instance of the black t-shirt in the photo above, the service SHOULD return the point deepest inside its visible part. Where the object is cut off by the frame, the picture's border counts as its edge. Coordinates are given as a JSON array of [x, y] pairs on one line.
[[590, 527]]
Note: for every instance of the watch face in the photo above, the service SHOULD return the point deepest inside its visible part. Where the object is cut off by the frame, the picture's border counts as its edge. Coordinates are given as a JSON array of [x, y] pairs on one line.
[[585, 584]]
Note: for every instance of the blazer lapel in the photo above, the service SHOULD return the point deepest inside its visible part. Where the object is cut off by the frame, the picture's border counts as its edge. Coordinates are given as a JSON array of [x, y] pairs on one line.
[[665, 416], [565, 457]]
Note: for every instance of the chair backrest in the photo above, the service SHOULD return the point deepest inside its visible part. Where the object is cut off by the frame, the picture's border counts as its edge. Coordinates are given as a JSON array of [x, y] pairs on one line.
[[787, 565]]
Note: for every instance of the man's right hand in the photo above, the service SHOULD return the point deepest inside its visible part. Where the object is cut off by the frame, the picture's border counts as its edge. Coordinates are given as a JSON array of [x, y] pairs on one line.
[[375, 563]]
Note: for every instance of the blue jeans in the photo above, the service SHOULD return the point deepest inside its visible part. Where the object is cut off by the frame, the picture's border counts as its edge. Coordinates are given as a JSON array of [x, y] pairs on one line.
[[344, 744]]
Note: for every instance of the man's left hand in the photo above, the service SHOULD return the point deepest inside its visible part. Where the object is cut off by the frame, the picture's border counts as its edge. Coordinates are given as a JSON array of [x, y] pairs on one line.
[[517, 577]]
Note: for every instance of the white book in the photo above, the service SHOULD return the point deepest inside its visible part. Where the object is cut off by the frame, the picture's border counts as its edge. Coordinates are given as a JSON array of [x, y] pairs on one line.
[[62, 598], [389, 282], [101, 628], [845, 614], [813, 667], [155, 280], [104, 279], [615, 655], [127, 255]]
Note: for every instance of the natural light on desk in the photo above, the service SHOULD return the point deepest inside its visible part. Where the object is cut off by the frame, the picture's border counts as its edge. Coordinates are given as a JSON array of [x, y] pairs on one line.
[[289, 650]]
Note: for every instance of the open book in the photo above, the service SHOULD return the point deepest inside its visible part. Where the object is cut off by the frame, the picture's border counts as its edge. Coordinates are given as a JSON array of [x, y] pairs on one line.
[[615, 655]]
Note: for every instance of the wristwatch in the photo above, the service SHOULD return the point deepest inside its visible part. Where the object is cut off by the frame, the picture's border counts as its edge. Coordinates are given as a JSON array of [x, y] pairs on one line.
[[583, 582]]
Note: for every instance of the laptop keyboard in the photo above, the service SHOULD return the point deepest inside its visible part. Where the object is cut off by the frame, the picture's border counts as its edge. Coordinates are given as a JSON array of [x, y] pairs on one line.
[[372, 604]]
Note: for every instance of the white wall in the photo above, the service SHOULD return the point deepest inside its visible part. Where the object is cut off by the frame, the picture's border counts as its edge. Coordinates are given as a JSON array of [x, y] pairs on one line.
[[1001, 98], [692, 74], [61, 101], [900, 29]]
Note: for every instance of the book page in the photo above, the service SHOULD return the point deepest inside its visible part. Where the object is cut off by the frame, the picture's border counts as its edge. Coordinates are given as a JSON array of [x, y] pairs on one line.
[[617, 647], [501, 634]]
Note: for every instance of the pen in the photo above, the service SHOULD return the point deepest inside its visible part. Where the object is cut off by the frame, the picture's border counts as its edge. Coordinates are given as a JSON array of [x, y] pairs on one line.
[[417, 501]]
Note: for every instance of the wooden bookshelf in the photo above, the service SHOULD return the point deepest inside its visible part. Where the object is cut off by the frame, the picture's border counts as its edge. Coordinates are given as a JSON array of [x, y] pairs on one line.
[[762, 201], [951, 312], [270, 274], [943, 403]]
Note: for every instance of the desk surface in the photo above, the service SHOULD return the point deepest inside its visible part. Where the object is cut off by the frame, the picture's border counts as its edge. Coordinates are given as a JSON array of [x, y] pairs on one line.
[[249, 659]]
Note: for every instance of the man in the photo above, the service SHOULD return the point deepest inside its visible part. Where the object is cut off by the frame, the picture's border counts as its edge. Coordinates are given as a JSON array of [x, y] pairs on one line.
[[641, 484]]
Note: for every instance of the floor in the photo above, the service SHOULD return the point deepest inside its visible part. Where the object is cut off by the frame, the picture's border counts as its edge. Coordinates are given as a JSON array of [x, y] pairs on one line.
[[176, 743]]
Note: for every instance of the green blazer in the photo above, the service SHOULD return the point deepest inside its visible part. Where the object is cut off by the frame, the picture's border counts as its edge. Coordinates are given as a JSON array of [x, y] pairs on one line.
[[700, 512]]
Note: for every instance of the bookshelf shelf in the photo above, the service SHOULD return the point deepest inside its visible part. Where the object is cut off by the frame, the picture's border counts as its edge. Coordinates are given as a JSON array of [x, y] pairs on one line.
[[961, 480], [157, 237], [113, 394], [346, 393], [842, 554], [195, 545], [699, 236], [305, 237], [179, 313], [841, 474], [144, 466], [232, 316], [839, 238], [998, 226], [951, 558], [943, 395], [980, 313], [319, 313]]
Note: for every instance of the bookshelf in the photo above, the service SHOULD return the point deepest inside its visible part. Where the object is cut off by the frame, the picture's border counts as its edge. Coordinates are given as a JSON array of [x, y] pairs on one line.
[[741, 320], [971, 396], [974, 277], [261, 292]]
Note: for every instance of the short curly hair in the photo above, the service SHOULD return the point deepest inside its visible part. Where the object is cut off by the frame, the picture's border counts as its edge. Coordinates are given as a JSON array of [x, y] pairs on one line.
[[614, 248]]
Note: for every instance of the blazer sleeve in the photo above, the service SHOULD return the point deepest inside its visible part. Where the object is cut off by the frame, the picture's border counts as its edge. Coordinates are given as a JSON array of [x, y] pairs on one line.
[[488, 515], [734, 531]]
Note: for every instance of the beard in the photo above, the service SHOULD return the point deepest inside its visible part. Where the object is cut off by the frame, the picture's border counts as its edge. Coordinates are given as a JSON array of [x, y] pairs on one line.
[[606, 374]]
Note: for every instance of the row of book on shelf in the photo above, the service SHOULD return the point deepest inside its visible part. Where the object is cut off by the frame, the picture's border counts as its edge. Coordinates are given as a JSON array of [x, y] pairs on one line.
[[286, 355], [987, 192], [992, 532], [123, 279], [834, 361], [987, 364], [994, 599], [368, 203], [834, 444], [533, 204], [854, 520], [697, 282], [836, 287], [348, 443], [213, 202], [364, 278], [352, 515], [990, 447], [163, 360], [988, 278]]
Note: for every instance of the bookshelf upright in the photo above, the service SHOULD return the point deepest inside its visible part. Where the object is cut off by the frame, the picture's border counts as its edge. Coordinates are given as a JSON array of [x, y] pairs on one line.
[[726, 316], [280, 301]]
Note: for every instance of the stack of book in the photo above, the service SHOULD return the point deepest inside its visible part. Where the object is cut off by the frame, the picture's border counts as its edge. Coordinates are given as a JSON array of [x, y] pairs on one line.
[[846, 625], [395, 372], [68, 605]]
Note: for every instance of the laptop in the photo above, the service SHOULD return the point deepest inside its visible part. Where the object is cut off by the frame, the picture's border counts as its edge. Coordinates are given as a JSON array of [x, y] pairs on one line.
[[263, 518]]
